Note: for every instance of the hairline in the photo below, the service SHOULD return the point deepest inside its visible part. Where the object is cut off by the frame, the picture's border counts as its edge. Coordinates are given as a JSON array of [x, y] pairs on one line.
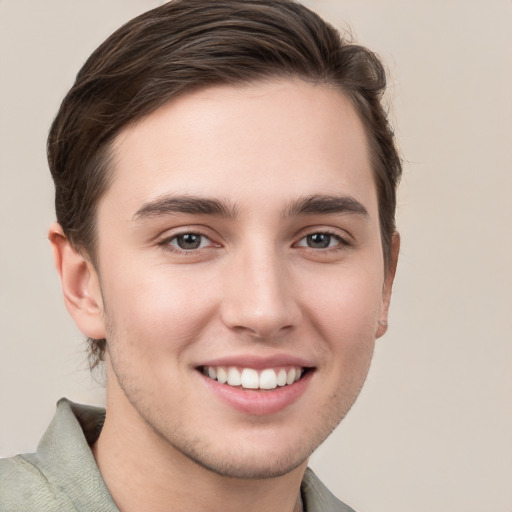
[[107, 153]]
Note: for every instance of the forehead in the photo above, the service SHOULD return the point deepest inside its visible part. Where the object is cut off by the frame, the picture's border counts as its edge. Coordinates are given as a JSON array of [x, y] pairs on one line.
[[273, 140]]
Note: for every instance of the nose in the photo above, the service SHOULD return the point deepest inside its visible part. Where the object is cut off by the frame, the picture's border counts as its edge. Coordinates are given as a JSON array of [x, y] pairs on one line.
[[260, 298]]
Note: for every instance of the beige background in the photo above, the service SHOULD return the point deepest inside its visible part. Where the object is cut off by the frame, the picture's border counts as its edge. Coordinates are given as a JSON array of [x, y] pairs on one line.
[[433, 428]]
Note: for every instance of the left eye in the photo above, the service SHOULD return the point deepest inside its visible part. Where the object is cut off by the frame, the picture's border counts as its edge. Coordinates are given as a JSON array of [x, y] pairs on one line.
[[189, 241], [320, 241]]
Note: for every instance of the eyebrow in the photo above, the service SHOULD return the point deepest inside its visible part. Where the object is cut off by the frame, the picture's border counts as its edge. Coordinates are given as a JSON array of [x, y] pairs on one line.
[[326, 204], [185, 204], [194, 205]]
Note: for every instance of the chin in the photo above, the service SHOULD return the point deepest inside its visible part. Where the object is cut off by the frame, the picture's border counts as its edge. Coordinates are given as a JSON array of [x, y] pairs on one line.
[[255, 452], [250, 466]]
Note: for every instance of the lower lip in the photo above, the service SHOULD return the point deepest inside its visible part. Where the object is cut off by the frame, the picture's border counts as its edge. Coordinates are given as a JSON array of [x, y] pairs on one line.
[[259, 402]]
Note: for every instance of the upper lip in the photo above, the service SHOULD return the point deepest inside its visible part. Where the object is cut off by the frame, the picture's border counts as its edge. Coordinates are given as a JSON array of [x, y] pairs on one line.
[[258, 362]]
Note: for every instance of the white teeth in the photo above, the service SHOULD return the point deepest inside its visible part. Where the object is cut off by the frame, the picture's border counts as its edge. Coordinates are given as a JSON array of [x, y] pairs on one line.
[[249, 378], [234, 378], [222, 376], [281, 377], [268, 379]]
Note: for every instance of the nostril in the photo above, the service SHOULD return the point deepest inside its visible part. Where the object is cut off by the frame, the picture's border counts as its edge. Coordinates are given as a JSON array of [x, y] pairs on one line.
[[259, 297]]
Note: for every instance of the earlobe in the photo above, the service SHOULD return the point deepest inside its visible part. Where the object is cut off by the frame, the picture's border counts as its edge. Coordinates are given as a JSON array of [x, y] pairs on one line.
[[388, 285], [80, 285]]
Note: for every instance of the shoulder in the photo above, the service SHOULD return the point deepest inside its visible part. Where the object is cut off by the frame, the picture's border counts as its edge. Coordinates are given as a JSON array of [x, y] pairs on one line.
[[24, 487], [317, 498], [62, 474]]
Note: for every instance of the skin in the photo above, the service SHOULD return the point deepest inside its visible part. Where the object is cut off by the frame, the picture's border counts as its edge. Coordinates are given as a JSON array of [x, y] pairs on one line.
[[256, 287]]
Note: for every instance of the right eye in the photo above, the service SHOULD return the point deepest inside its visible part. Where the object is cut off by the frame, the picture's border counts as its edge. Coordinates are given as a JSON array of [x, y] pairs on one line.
[[188, 242]]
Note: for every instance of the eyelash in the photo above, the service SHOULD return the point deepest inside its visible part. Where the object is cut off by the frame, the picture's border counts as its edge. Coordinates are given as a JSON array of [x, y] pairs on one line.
[[167, 244], [341, 244]]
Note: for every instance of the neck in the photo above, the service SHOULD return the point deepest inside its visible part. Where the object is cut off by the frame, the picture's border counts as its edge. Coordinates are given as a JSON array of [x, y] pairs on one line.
[[143, 471]]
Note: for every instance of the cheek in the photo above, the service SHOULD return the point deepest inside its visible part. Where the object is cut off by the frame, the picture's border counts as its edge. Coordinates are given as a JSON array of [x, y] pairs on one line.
[[155, 308], [347, 304], [345, 313]]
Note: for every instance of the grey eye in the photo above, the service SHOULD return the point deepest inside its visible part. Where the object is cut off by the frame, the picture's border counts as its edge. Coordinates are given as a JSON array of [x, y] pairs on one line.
[[319, 240], [189, 241]]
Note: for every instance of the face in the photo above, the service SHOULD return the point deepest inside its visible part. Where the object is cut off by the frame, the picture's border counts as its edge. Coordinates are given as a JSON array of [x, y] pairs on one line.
[[241, 274]]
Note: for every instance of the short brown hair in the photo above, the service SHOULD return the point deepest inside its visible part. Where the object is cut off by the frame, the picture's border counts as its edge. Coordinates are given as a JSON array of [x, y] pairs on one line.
[[185, 45]]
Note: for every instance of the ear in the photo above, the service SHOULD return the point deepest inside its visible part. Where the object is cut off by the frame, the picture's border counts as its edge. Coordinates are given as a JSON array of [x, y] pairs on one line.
[[388, 285], [80, 285]]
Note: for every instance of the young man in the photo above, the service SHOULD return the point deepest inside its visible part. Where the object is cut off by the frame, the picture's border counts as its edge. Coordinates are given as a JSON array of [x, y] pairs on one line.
[[225, 192]]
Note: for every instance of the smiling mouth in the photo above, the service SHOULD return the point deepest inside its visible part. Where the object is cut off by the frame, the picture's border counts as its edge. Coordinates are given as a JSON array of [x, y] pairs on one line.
[[250, 378]]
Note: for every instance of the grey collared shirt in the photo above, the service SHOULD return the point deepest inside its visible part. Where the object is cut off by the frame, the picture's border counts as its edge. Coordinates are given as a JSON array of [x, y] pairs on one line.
[[63, 476]]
